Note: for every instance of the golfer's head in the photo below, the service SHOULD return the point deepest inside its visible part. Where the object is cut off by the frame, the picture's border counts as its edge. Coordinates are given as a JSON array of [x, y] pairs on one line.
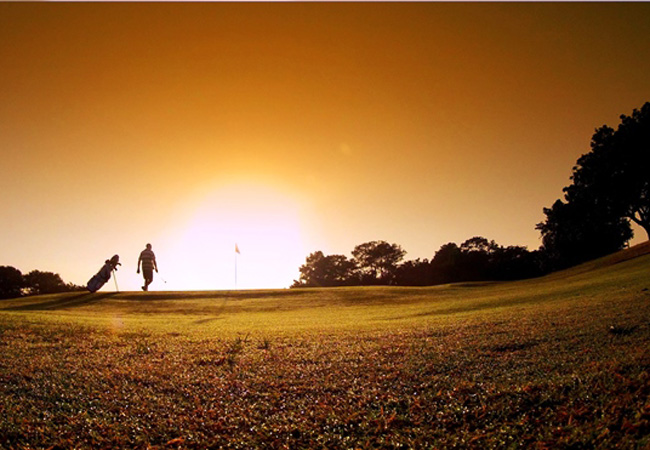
[[148, 246]]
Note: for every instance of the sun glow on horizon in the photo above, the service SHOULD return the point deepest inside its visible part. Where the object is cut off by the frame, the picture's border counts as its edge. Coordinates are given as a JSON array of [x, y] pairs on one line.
[[264, 223]]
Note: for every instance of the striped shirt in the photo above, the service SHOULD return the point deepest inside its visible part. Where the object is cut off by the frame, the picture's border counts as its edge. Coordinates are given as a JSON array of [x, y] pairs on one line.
[[148, 259]]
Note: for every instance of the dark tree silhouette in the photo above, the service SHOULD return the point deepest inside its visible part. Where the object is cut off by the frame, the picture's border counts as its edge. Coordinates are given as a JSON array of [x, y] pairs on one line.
[[579, 231], [616, 173], [377, 261], [11, 282], [414, 273], [321, 270], [445, 264], [478, 244], [515, 263], [479, 259], [38, 282], [476, 258], [610, 187]]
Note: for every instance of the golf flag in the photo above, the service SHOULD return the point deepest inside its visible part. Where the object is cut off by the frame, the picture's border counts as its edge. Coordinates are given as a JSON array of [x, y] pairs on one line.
[[236, 249]]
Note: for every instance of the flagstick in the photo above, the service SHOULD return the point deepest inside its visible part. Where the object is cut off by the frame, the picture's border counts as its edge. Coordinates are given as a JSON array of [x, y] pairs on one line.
[[235, 270]]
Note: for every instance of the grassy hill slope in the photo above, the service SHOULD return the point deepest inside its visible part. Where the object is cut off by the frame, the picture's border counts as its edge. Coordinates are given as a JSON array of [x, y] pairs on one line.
[[556, 362]]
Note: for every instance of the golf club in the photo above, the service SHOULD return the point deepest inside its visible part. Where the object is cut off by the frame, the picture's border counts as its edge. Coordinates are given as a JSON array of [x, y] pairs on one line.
[[115, 280]]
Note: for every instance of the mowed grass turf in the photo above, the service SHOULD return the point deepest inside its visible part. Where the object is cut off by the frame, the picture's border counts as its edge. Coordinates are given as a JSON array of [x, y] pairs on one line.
[[557, 362]]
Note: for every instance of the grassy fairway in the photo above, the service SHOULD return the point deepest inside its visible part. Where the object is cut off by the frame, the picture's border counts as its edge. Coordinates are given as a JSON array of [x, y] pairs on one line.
[[558, 362]]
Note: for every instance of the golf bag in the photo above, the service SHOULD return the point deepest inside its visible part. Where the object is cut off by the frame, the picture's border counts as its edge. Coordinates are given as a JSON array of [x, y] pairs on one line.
[[104, 274]]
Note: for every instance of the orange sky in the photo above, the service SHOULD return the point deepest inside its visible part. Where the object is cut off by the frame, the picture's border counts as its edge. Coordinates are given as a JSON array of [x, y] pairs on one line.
[[290, 128]]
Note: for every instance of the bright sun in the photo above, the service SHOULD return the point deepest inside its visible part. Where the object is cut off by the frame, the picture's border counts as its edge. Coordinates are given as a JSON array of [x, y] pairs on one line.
[[265, 225]]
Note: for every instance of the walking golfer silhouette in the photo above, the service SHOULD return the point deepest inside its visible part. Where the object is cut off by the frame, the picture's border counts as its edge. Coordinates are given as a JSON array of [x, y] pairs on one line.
[[148, 260]]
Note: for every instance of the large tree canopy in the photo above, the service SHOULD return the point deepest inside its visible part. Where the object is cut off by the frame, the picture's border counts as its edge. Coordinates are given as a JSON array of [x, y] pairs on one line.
[[11, 282], [321, 270], [377, 260], [579, 231], [616, 173], [610, 187], [38, 282]]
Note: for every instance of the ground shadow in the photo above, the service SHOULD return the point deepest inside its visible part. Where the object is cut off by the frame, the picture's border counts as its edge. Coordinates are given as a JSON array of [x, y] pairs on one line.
[[245, 294], [67, 301], [208, 320]]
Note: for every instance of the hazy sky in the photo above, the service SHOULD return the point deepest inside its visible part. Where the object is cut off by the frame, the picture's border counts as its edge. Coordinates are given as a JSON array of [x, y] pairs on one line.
[[288, 128]]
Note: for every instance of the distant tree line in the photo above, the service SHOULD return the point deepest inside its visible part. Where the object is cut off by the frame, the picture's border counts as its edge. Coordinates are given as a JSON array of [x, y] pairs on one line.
[[14, 284], [610, 189], [380, 263]]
